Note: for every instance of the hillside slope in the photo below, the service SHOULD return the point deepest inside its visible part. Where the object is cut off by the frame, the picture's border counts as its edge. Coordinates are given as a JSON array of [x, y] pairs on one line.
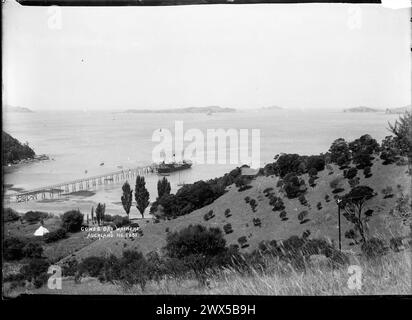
[[321, 222]]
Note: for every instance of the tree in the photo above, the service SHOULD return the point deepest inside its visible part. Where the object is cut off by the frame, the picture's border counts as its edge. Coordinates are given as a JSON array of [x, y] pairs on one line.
[[72, 220], [92, 214], [100, 209], [353, 204], [402, 129], [163, 187], [127, 197], [339, 152], [141, 195]]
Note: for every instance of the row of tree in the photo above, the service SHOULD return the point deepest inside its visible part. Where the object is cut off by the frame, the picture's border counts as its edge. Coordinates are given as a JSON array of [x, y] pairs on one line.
[[141, 194]]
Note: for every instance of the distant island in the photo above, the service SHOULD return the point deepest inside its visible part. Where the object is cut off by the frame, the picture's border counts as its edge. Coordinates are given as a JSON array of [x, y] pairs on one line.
[[272, 108], [211, 109], [361, 109], [399, 110], [17, 109]]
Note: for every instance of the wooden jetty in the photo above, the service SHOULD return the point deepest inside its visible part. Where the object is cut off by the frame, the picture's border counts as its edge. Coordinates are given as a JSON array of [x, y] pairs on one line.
[[88, 183]]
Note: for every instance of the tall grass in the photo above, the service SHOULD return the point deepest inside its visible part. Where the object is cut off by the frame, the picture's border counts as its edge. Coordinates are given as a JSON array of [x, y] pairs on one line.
[[389, 275]]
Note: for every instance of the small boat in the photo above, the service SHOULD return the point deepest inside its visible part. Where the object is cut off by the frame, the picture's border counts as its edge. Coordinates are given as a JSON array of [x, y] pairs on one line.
[[102, 164]]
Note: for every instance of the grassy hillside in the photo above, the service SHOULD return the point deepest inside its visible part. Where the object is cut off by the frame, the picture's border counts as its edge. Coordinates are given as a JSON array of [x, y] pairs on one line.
[[321, 222]]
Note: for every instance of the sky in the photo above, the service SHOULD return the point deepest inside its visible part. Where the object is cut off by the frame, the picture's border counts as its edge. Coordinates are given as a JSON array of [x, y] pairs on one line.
[[241, 56]]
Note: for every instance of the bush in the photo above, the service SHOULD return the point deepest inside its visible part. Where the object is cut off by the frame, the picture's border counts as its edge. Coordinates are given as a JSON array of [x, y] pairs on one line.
[[195, 239], [302, 216], [209, 215], [227, 213], [373, 248], [293, 186], [91, 266], [283, 215], [242, 241], [10, 215], [13, 248], [227, 228], [72, 220], [338, 190], [245, 187], [34, 216], [268, 190], [387, 192], [354, 182], [327, 198], [32, 250], [36, 272], [367, 172], [253, 204], [54, 236], [277, 203], [312, 182], [350, 173], [257, 222], [396, 244], [303, 200], [120, 221], [319, 206], [70, 267], [313, 172]]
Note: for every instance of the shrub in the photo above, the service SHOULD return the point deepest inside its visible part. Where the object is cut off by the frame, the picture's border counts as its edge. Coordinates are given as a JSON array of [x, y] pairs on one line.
[[327, 198], [268, 190], [319, 206], [367, 172], [282, 215], [303, 200], [313, 172], [72, 220], [387, 192], [209, 215], [293, 186], [396, 244], [10, 215], [227, 213], [120, 221], [70, 267], [390, 152], [244, 187], [402, 134], [13, 248], [195, 239], [32, 250], [227, 228], [257, 222], [34, 216], [36, 271], [242, 241], [253, 204], [338, 190], [354, 182], [54, 236], [277, 203], [92, 266], [312, 182], [373, 248], [302, 215], [350, 173], [247, 199]]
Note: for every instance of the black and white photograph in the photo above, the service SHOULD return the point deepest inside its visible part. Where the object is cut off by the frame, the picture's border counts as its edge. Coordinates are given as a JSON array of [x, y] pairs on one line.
[[206, 148]]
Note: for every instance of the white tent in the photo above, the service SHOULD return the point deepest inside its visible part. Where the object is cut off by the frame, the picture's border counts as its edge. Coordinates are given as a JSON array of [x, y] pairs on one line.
[[41, 231]]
